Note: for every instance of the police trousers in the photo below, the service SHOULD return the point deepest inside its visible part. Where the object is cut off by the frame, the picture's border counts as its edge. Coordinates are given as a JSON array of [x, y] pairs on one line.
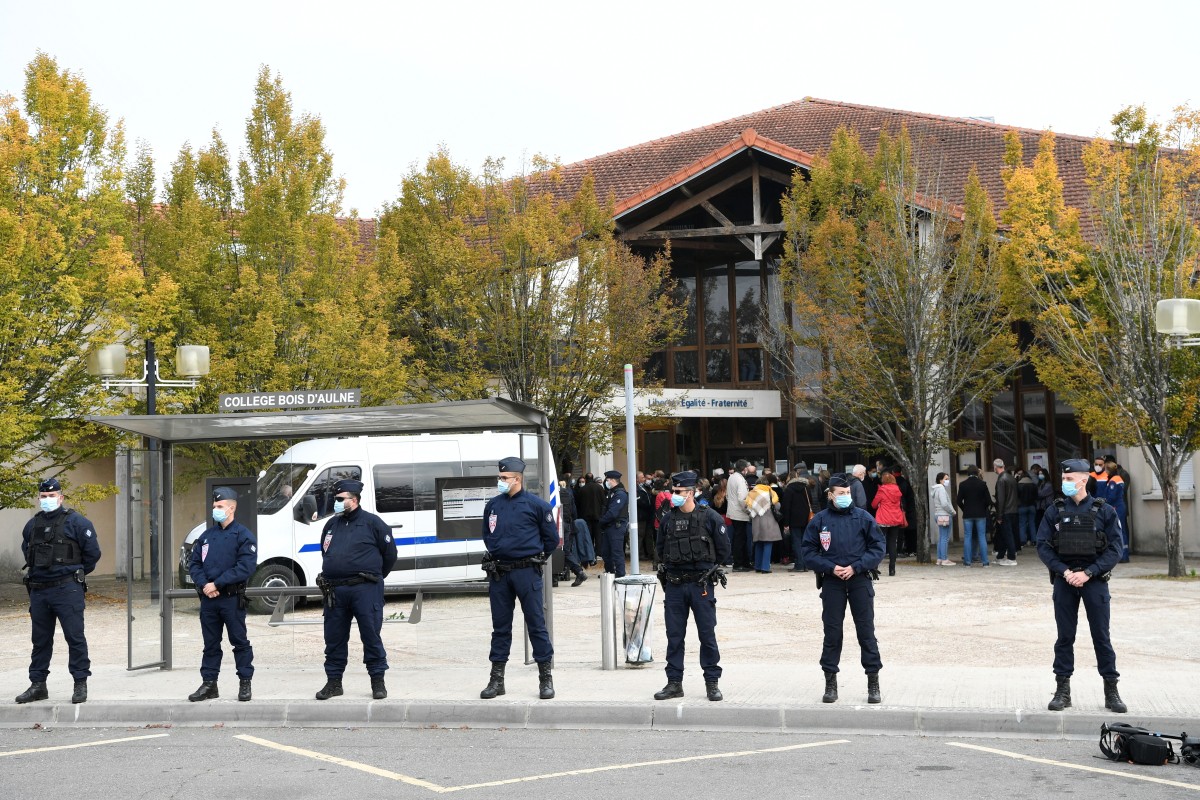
[[65, 604], [524, 584], [362, 603], [702, 602], [1096, 602], [215, 613], [859, 594], [612, 544]]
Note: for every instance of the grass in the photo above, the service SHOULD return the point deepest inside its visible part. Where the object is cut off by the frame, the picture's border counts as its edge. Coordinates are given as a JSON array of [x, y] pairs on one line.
[[1191, 577]]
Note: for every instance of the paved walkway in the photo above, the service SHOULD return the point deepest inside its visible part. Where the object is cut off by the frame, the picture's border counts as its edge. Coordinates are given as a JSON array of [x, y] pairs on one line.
[[964, 650]]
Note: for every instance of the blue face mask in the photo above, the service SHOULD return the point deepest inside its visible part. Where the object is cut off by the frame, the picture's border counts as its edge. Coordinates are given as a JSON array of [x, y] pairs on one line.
[[219, 515], [678, 500], [501, 487], [1070, 489], [338, 506], [843, 501], [48, 504]]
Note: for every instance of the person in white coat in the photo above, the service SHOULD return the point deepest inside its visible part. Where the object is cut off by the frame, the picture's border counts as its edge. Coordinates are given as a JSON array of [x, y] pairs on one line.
[[943, 516]]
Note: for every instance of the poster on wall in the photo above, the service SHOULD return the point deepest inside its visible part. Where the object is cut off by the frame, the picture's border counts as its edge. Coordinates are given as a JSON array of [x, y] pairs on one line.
[[1039, 457], [818, 467]]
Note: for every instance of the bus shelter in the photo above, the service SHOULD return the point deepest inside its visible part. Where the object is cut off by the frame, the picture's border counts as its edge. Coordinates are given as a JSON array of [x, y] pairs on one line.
[[167, 432]]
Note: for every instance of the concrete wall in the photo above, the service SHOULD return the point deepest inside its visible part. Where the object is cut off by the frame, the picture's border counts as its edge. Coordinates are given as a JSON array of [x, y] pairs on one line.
[[1146, 509]]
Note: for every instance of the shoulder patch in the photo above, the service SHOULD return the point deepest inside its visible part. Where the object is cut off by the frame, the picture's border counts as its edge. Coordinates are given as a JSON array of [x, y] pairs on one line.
[[387, 538], [253, 549], [87, 533], [549, 517]]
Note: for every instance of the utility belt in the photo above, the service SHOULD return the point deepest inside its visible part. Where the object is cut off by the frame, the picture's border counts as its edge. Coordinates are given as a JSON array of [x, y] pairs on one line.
[[327, 585], [1105, 578], [237, 590], [498, 569], [713, 575], [77, 577], [870, 574]]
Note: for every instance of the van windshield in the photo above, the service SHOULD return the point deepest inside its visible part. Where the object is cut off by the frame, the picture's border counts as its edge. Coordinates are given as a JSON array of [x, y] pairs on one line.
[[279, 483]]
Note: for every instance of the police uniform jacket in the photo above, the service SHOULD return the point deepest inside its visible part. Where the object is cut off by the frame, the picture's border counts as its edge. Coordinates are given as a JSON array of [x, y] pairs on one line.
[[842, 538], [75, 527], [224, 556], [518, 526], [616, 509], [1094, 565], [354, 543], [714, 527]]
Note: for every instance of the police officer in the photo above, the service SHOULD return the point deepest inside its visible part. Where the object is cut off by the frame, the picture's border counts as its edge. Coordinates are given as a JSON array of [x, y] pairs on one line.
[[357, 553], [692, 543], [60, 548], [843, 546], [614, 523], [222, 560], [519, 534], [1079, 541]]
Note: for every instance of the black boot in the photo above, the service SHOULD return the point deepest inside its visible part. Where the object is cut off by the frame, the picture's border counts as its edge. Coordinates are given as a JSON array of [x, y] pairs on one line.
[[332, 688], [495, 686], [714, 694], [36, 691], [244, 692], [672, 690], [378, 689], [1112, 700], [873, 695], [830, 695], [207, 691], [580, 577], [545, 681], [1062, 695], [80, 693]]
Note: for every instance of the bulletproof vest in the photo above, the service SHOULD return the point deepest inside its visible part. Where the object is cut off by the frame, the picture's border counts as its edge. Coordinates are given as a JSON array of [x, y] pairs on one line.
[[1079, 532], [688, 541], [49, 546]]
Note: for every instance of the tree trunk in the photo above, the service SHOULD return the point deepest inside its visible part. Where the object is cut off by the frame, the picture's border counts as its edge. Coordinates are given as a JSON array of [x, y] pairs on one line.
[[921, 490], [1170, 489]]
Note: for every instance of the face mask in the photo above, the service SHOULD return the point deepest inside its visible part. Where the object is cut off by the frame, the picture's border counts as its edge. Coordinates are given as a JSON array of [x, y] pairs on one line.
[[678, 500], [338, 507], [843, 501], [219, 515], [501, 487], [1070, 489], [946, 483], [1041, 477], [1099, 467], [48, 504]]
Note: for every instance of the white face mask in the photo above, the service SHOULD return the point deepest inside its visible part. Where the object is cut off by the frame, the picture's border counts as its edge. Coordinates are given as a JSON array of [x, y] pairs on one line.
[[946, 483]]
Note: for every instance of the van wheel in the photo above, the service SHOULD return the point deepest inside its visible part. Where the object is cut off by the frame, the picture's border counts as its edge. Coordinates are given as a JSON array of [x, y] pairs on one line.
[[272, 576]]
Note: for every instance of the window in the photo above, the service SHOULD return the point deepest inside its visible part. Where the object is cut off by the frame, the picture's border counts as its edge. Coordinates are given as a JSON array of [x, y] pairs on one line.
[[685, 296], [716, 305], [717, 369], [685, 367], [747, 288], [424, 488], [393, 488], [275, 487], [318, 500]]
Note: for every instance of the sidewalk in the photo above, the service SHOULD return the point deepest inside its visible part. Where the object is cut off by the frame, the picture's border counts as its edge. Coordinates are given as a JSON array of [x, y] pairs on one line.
[[965, 651]]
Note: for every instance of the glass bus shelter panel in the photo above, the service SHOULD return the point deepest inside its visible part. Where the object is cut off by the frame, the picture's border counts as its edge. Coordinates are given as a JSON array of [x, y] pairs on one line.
[[138, 483]]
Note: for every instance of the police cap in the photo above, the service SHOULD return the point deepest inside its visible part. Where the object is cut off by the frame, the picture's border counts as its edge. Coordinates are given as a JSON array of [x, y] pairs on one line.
[[224, 493], [512, 464], [348, 485], [49, 485], [612, 473], [684, 480], [838, 479], [1075, 465]]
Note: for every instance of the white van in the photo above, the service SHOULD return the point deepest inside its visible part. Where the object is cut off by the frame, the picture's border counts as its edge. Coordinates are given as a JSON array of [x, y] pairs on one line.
[[295, 498]]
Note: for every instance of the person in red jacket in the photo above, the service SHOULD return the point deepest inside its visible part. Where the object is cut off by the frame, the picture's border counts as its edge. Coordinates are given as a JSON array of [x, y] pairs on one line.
[[889, 514]]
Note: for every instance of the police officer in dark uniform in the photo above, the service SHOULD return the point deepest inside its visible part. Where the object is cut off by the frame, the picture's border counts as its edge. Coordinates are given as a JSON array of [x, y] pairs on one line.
[[1079, 541], [60, 548], [222, 560], [614, 524], [519, 534], [843, 546], [357, 553], [692, 544]]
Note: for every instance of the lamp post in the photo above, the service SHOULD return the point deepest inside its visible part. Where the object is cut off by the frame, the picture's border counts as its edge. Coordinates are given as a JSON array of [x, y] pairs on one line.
[[191, 362], [1179, 319]]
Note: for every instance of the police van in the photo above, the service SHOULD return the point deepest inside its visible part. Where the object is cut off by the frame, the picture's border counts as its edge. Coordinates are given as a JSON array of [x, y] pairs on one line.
[[295, 499]]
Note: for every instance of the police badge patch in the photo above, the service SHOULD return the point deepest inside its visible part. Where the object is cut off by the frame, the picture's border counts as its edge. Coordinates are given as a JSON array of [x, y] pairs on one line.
[[492, 522], [826, 538], [204, 551], [325, 544], [253, 549], [549, 517]]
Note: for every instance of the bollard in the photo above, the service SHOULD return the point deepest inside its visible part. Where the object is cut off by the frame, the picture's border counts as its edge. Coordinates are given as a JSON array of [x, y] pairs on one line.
[[608, 637]]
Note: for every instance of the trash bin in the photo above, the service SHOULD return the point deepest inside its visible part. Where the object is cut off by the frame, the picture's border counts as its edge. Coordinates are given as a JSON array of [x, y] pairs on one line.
[[634, 603]]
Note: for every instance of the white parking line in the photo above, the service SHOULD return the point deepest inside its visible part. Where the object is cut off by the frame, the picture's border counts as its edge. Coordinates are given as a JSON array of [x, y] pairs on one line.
[[1082, 767], [82, 744]]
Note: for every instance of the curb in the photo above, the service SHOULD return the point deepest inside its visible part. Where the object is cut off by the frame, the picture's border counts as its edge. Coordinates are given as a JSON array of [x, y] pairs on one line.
[[844, 720]]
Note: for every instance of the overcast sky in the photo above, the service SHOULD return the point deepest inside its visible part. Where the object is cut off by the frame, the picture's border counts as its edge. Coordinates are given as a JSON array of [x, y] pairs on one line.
[[393, 80]]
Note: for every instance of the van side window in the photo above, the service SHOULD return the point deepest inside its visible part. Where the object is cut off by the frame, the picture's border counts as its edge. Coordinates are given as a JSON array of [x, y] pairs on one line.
[[318, 500], [424, 488], [393, 487]]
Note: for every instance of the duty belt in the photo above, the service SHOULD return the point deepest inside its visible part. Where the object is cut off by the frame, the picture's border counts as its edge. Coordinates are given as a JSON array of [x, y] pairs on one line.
[[48, 584], [355, 581]]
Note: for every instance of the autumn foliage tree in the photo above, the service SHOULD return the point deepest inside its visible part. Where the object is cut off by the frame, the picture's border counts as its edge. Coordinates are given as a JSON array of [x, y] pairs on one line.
[[899, 321]]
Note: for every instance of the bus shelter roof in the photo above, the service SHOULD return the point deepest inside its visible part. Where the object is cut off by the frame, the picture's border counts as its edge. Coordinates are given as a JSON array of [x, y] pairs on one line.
[[491, 414]]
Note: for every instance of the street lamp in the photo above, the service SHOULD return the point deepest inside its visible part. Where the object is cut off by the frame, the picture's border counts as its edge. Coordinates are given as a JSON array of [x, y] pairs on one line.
[[191, 363], [1179, 318]]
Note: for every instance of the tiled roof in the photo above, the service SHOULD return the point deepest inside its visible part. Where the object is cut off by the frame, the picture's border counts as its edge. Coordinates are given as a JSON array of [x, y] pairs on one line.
[[808, 126]]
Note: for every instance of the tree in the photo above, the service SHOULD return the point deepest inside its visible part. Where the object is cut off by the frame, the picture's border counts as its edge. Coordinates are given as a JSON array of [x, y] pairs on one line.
[[895, 293], [62, 256], [1093, 308]]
